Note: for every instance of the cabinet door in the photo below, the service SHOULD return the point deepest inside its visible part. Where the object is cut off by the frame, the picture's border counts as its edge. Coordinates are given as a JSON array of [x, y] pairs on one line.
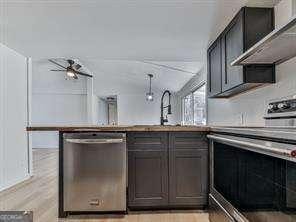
[[188, 169], [214, 69], [232, 47], [188, 177], [254, 30], [147, 179]]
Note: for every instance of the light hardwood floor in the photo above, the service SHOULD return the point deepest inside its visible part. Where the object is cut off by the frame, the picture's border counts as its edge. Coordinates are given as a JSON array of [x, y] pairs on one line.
[[40, 195]]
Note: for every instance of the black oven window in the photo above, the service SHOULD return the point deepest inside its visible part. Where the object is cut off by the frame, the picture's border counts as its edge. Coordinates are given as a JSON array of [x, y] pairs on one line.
[[226, 171], [260, 186]]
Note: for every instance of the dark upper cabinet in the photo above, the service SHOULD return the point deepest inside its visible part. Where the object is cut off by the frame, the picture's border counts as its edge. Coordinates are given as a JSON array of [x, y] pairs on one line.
[[232, 47], [188, 169], [167, 170], [214, 68], [258, 23], [248, 27]]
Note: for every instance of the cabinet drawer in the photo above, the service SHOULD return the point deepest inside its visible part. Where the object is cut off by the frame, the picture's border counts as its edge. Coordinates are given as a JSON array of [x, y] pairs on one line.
[[188, 140], [147, 141]]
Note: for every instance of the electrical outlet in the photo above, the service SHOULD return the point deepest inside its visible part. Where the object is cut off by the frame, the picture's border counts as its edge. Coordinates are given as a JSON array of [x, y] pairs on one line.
[[240, 119]]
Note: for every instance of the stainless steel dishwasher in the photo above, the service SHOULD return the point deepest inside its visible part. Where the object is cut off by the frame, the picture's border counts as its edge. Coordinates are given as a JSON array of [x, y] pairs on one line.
[[94, 172]]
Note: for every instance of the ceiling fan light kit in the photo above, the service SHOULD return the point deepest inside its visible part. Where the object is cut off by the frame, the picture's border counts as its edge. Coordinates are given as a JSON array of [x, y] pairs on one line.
[[70, 73]]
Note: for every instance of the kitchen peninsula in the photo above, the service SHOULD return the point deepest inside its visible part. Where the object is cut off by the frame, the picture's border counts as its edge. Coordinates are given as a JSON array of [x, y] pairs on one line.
[[174, 158]]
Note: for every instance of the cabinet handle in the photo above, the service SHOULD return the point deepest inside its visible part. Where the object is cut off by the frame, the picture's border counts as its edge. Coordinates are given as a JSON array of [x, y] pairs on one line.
[[94, 202], [225, 61], [94, 141]]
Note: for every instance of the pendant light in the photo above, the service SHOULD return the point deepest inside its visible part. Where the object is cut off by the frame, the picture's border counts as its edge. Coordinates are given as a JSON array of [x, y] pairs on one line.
[[149, 95]]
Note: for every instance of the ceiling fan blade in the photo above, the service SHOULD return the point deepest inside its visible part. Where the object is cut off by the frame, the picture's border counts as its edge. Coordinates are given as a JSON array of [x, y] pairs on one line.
[[57, 64], [58, 70], [83, 74]]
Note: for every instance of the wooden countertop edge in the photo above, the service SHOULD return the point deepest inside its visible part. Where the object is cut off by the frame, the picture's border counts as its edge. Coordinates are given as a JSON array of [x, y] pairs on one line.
[[122, 129]]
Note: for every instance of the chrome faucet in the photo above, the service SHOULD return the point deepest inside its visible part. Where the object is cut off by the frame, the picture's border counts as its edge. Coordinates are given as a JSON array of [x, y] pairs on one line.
[[162, 107]]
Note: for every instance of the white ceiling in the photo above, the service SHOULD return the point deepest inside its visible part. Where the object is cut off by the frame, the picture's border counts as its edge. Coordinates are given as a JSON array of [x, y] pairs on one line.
[[168, 32], [134, 73]]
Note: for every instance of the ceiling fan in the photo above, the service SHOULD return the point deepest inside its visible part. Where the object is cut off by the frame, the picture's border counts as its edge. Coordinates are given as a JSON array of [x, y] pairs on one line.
[[72, 70]]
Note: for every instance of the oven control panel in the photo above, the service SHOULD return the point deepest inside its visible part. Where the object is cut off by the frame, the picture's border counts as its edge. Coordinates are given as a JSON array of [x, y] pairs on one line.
[[282, 106]]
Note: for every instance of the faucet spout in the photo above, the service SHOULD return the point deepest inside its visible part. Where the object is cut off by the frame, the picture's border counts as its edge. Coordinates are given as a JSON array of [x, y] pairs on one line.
[[162, 107]]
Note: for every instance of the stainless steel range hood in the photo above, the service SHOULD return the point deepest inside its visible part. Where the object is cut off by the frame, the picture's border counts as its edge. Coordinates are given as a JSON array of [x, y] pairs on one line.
[[277, 47]]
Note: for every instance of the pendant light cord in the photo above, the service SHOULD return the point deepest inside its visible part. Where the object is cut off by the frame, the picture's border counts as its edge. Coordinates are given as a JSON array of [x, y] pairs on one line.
[[150, 85], [150, 79]]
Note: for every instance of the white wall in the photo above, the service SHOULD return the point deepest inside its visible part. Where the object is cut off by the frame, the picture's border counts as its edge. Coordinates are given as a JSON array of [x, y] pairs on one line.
[[56, 101], [253, 103], [284, 10], [56, 109], [134, 109], [102, 112], [14, 158]]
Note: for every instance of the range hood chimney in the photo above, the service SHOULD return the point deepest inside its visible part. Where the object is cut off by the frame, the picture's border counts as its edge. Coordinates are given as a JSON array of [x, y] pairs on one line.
[[278, 46], [284, 11]]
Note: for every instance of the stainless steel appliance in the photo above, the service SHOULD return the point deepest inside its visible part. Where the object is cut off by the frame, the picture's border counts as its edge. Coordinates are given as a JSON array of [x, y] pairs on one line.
[[94, 172], [253, 169]]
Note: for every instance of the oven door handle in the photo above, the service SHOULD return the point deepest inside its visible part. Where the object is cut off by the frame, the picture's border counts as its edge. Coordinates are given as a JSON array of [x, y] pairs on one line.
[[285, 151]]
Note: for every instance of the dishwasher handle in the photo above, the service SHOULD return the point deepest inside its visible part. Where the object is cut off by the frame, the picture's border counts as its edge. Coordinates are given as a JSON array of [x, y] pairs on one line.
[[95, 141]]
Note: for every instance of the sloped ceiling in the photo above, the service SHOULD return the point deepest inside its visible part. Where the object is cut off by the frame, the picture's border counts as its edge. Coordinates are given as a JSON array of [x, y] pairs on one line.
[[170, 30], [132, 75], [112, 36]]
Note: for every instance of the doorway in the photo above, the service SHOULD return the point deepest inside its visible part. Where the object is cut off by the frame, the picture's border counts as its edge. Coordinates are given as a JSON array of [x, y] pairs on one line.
[[107, 110]]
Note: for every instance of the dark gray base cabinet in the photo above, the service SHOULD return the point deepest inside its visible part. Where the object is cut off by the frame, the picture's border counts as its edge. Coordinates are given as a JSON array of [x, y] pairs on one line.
[[167, 170], [147, 169]]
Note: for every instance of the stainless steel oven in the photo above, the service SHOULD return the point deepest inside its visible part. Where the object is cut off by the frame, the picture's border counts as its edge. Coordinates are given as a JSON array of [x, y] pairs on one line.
[[253, 180], [253, 171]]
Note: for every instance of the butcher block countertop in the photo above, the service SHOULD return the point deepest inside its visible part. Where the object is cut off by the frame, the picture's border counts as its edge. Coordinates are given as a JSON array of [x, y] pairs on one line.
[[132, 128]]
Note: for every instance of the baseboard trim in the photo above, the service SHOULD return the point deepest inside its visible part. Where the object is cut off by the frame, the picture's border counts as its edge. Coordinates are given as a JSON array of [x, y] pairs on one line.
[[15, 185]]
